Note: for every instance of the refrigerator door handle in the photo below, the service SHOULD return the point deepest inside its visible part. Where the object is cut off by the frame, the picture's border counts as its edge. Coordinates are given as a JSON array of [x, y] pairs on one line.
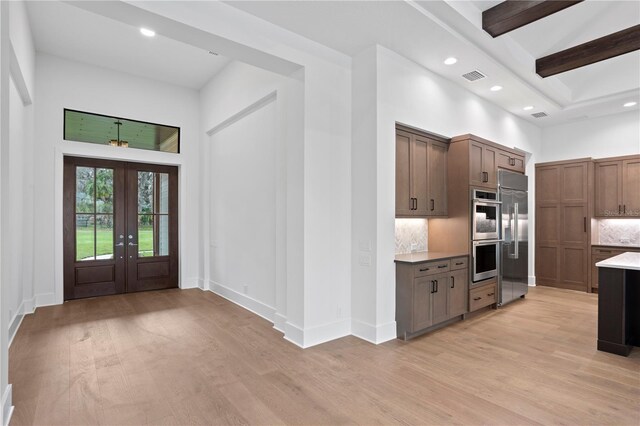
[[516, 237]]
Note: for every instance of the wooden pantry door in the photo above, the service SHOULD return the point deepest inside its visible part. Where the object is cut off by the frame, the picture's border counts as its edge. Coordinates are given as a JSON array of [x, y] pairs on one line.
[[120, 227]]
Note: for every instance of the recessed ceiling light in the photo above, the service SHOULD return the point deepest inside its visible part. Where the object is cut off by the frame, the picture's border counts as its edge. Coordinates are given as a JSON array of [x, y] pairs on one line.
[[496, 88], [450, 61], [528, 108], [147, 32], [630, 104]]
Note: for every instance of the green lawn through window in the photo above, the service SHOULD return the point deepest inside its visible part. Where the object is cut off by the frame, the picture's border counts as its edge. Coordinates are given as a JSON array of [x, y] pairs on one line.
[[84, 242]]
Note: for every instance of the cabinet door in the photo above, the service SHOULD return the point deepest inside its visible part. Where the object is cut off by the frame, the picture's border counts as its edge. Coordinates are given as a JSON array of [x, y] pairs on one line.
[[421, 317], [476, 175], [548, 184], [608, 183], [631, 187], [574, 271], [575, 183], [437, 179], [458, 294], [420, 177], [573, 224], [509, 161], [439, 299], [404, 203], [490, 165]]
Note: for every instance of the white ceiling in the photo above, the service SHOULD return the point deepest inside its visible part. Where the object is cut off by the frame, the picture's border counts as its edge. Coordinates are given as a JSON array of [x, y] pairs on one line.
[[429, 31], [70, 32], [421, 30]]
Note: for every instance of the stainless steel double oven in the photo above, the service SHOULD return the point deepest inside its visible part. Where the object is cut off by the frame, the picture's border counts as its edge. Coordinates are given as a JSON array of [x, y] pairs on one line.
[[485, 231]]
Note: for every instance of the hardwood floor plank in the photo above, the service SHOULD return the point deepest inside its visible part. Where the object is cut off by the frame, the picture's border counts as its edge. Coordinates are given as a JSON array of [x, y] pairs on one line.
[[191, 357]]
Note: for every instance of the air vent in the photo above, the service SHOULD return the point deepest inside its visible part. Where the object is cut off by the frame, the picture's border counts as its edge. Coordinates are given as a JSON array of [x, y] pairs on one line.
[[539, 114], [473, 75]]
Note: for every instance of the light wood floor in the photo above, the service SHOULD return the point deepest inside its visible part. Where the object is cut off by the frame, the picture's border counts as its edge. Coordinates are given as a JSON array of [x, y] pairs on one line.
[[187, 357]]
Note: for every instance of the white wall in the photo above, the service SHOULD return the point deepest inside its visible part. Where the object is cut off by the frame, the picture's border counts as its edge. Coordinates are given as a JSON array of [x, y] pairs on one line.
[[607, 136], [245, 188], [17, 56], [410, 94], [66, 84]]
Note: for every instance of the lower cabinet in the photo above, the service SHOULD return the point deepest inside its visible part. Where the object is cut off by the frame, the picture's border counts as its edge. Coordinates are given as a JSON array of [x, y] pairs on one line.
[[483, 295], [430, 293]]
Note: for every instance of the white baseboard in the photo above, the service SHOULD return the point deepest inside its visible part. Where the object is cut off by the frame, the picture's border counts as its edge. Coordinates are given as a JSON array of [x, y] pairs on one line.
[[7, 407], [189, 283], [294, 334], [15, 324], [29, 306], [201, 284], [326, 332], [46, 299], [279, 322], [255, 306], [532, 281], [373, 334]]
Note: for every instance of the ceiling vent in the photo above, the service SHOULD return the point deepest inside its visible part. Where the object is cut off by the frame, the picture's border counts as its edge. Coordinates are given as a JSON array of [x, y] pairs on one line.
[[473, 75], [539, 114]]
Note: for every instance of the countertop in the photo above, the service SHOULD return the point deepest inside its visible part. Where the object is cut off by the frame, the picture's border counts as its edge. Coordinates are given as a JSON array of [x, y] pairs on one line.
[[425, 256], [619, 246], [628, 260]]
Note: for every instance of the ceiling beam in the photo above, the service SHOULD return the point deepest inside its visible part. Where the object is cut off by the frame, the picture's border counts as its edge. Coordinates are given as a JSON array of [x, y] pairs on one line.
[[512, 14], [593, 51]]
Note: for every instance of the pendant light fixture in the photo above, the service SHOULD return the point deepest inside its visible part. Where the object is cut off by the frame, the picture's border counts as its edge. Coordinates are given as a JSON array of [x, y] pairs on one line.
[[118, 142]]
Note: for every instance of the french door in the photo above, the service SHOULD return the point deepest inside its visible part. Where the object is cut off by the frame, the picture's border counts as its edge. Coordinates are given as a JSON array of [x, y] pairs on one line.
[[120, 227]]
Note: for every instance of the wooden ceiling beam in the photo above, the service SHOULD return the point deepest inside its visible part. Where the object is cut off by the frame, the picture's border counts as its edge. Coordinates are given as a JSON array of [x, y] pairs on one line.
[[512, 14], [593, 51]]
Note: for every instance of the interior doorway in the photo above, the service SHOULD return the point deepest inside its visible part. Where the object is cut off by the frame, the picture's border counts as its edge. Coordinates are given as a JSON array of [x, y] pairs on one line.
[[120, 227]]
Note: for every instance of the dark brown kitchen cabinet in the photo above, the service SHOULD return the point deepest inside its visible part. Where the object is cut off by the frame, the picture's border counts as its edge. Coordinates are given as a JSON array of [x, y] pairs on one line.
[[484, 295], [421, 175], [617, 187], [563, 223], [430, 293]]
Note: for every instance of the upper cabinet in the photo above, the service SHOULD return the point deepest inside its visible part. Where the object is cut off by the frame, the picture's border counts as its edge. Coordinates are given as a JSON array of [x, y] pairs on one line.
[[421, 175], [483, 160], [617, 187]]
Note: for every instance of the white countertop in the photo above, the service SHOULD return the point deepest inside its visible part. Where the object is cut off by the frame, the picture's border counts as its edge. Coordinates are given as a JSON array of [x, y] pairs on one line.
[[628, 260]]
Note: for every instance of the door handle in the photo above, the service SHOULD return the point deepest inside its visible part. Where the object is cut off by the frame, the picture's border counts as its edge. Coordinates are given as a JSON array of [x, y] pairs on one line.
[[120, 244], [585, 223], [132, 244], [453, 282], [433, 204]]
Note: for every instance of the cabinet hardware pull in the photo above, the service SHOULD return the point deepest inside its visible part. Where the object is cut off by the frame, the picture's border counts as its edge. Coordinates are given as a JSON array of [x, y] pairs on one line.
[[490, 294], [477, 298], [433, 286], [485, 176], [624, 209], [459, 263], [619, 208], [424, 269], [585, 224], [453, 282], [433, 204], [604, 251], [415, 206], [436, 286], [442, 266]]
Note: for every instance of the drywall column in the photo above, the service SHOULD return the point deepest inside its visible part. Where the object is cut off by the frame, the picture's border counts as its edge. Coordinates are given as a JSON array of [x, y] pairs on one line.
[[364, 211], [5, 47]]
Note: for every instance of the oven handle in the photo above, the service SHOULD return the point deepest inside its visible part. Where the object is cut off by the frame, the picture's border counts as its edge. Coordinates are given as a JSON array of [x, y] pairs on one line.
[[486, 242]]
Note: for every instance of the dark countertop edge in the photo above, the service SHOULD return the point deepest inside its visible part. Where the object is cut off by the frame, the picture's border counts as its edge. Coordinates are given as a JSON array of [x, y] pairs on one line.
[[437, 256], [616, 247]]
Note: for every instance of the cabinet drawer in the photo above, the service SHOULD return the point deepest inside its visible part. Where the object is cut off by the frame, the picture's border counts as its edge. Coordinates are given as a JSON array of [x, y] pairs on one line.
[[430, 268], [459, 263], [482, 296]]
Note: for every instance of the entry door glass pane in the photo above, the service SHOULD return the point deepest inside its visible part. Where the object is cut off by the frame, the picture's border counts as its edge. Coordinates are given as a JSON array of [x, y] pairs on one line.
[[94, 213], [153, 214]]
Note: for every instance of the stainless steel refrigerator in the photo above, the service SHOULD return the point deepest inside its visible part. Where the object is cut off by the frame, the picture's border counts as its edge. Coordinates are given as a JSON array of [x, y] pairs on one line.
[[512, 191]]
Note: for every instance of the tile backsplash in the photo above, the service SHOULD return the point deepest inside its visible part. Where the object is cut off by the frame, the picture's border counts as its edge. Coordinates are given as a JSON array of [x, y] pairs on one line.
[[615, 232], [411, 234]]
